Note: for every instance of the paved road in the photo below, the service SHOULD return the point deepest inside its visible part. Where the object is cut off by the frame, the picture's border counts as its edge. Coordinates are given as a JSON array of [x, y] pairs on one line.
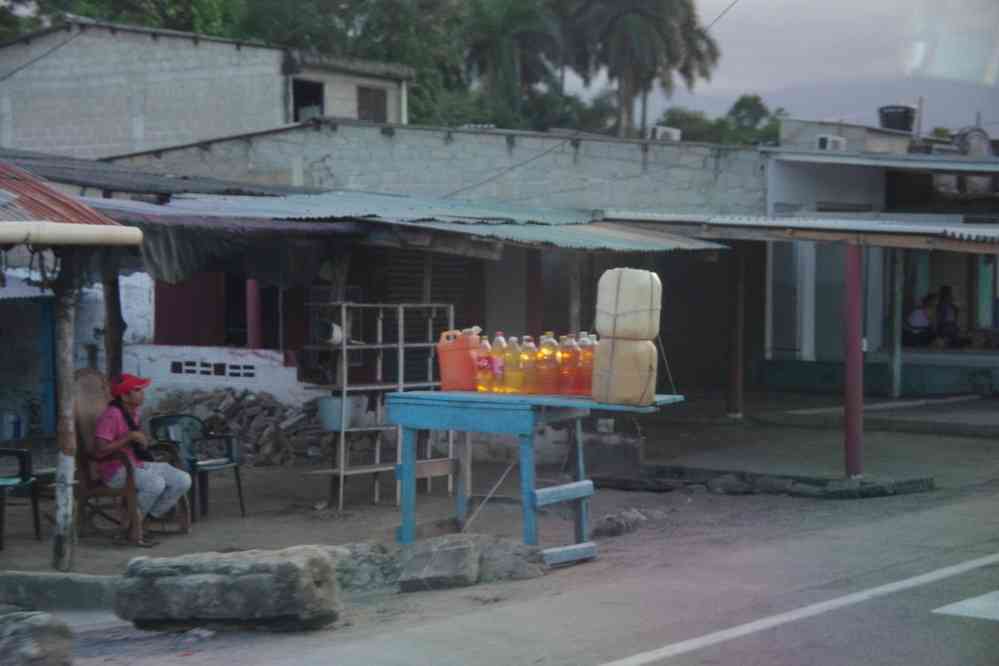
[[798, 583]]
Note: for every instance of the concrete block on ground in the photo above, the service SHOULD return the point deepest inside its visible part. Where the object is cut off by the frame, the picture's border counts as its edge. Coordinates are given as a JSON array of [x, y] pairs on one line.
[[616, 524], [286, 590], [57, 591], [798, 489], [504, 559], [34, 639], [444, 562], [366, 567], [730, 484], [774, 485]]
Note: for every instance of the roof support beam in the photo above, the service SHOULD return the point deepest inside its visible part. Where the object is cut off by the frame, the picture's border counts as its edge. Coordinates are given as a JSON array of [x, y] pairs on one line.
[[904, 241], [433, 242]]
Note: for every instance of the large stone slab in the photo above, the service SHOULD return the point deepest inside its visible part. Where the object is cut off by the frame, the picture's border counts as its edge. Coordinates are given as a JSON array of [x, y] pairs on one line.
[[291, 589], [363, 568], [443, 562], [34, 639], [504, 559]]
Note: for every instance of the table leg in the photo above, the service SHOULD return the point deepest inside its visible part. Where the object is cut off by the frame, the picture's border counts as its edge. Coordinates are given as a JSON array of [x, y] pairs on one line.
[[463, 480], [582, 508], [407, 482], [527, 489]]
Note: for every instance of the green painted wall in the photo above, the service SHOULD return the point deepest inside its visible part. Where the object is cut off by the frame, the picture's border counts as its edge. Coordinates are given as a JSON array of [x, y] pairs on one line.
[[917, 380]]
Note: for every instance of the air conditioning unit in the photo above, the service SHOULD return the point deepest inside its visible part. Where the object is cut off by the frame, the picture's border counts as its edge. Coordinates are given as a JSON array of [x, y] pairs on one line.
[[663, 133], [830, 142]]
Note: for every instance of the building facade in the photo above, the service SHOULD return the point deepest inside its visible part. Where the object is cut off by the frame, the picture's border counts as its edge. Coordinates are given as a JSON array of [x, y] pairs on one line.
[[93, 89]]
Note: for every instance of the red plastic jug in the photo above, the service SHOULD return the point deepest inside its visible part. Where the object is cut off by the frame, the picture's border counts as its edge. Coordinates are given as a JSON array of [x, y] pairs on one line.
[[456, 354]]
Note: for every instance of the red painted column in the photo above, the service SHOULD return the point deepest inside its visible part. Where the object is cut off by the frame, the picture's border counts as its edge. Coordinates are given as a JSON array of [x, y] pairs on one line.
[[854, 357], [254, 326]]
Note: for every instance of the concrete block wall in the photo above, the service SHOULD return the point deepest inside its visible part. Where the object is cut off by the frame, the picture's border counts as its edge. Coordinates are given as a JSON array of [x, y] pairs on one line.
[[102, 94], [524, 168]]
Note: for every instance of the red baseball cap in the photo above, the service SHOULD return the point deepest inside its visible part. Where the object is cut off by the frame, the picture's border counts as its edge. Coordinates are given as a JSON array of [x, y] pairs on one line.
[[128, 383]]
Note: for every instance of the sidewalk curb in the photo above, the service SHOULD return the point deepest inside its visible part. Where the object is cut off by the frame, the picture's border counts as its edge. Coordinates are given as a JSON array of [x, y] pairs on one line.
[[877, 423], [57, 591], [793, 485]]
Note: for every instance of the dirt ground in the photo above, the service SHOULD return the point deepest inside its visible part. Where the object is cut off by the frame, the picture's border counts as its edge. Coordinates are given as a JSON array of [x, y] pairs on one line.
[[287, 506], [282, 511]]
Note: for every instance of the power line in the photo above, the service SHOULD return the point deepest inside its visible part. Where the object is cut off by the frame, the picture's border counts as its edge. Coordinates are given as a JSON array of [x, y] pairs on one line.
[[44, 55], [719, 17], [507, 170]]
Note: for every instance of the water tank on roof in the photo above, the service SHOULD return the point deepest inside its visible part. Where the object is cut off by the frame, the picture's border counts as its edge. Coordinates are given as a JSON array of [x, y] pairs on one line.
[[897, 117]]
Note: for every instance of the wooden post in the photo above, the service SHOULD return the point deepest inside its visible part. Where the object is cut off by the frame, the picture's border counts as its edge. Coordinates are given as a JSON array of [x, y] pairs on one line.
[[114, 322], [66, 297], [575, 292], [854, 358], [737, 361], [254, 323], [898, 285]]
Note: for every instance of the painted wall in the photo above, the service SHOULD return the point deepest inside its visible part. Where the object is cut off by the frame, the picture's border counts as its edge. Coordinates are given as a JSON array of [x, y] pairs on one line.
[[137, 294], [807, 283], [24, 365], [804, 135], [211, 368], [516, 167], [340, 93]]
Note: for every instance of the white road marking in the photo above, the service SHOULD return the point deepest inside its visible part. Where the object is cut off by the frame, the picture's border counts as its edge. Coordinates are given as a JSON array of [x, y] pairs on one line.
[[985, 607], [741, 630]]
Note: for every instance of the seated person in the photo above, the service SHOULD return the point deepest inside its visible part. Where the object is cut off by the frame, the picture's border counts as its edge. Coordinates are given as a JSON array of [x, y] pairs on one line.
[[158, 485], [920, 327], [947, 318]]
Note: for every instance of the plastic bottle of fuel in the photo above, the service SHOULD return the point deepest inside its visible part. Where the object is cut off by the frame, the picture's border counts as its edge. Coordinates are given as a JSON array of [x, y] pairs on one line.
[[498, 362], [484, 367], [529, 364], [569, 354], [548, 365], [513, 368], [584, 376]]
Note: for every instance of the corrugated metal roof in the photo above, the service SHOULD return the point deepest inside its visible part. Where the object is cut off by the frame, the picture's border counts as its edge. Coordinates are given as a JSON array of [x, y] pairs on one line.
[[945, 227], [105, 176], [940, 163], [18, 289], [25, 193], [605, 236], [344, 204], [565, 228]]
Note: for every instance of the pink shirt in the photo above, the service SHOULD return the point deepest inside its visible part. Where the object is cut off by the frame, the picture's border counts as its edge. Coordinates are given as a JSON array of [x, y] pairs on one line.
[[111, 426]]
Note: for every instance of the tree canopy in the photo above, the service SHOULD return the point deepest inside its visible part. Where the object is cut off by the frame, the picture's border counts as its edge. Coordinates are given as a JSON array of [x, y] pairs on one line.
[[748, 122]]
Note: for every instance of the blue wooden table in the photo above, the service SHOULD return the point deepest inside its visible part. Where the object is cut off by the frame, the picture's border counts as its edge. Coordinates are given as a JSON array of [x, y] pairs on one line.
[[518, 415]]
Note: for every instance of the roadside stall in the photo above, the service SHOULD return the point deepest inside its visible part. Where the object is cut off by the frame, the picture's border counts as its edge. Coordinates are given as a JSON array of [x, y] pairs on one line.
[[505, 388]]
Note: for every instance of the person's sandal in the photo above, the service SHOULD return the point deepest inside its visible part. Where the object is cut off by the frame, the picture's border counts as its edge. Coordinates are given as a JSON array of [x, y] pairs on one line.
[[121, 539]]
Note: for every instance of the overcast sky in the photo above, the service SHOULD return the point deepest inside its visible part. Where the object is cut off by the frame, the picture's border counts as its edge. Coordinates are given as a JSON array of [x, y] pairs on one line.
[[840, 59]]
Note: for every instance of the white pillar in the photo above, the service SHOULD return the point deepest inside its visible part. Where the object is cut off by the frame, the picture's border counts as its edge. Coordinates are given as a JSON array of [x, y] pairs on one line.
[[403, 103]]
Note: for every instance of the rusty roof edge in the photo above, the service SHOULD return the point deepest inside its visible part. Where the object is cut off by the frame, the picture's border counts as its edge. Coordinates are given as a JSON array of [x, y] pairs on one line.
[[875, 224]]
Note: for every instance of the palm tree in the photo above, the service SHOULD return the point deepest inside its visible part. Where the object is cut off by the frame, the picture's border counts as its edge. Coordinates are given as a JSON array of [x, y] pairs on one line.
[[511, 44], [644, 42]]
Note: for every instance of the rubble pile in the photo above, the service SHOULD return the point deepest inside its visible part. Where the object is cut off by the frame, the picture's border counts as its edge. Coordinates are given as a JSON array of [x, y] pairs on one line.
[[270, 433]]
